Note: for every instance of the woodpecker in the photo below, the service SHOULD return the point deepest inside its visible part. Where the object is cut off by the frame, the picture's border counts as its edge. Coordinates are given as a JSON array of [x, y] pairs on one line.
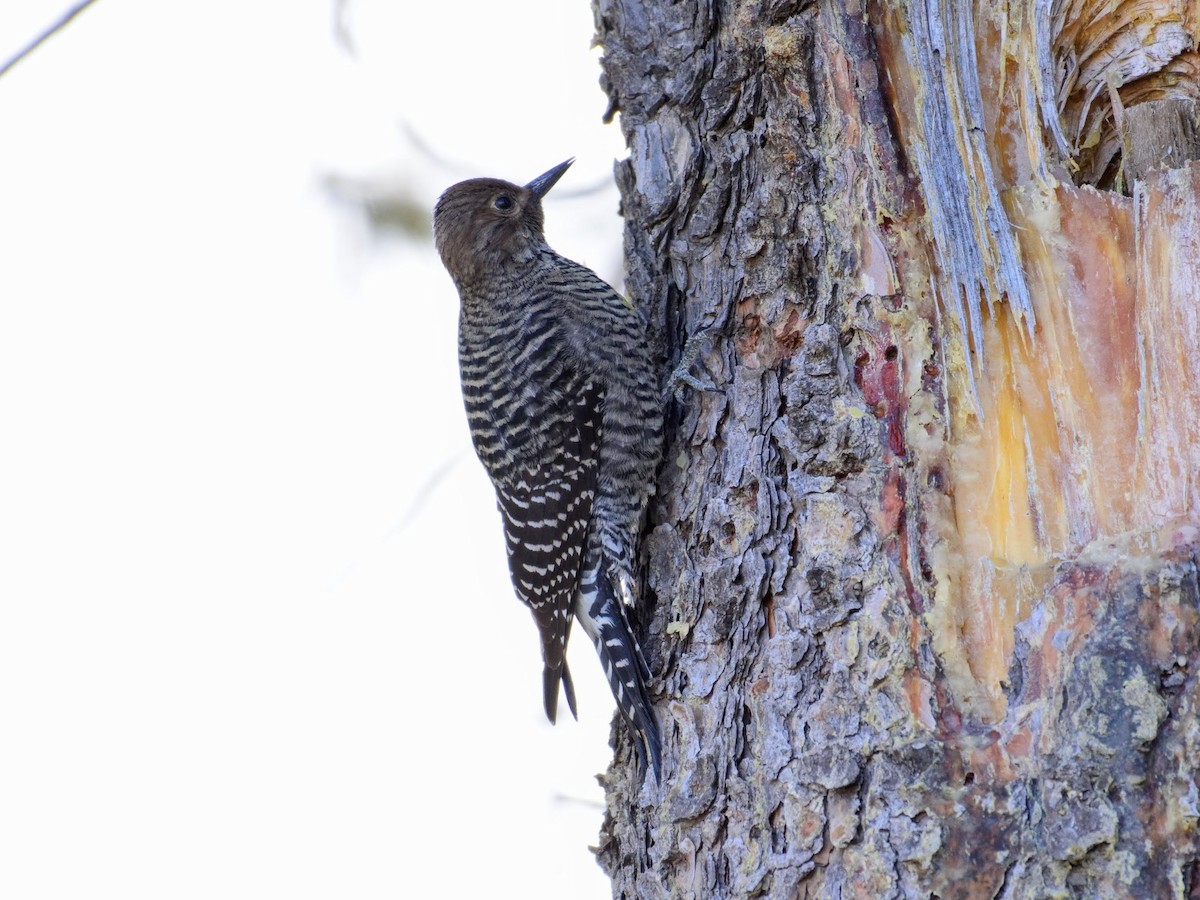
[[565, 414]]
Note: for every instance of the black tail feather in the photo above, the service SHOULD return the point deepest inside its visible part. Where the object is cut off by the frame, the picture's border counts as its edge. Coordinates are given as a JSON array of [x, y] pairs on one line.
[[627, 673], [550, 682]]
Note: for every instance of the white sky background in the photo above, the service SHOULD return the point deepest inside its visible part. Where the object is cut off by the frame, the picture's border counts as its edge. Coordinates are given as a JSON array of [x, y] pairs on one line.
[[251, 645]]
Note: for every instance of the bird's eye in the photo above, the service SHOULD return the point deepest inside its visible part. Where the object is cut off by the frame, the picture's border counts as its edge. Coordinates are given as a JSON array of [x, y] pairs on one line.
[[503, 202]]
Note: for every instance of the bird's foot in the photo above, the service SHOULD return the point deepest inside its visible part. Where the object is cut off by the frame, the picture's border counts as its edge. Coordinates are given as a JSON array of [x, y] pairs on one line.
[[682, 374]]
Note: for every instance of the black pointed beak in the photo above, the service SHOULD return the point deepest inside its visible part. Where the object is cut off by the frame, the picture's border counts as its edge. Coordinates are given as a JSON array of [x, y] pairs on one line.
[[542, 184]]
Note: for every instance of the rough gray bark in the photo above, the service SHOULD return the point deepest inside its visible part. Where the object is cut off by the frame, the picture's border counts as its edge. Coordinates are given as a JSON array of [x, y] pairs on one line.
[[796, 552]]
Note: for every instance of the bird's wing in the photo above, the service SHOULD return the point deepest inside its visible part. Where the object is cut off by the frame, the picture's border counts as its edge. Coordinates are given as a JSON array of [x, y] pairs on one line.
[[546, 511]]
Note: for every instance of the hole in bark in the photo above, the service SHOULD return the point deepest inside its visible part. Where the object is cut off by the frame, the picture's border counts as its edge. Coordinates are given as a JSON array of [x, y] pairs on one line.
[[778, 830], [1191, 877], [969, 778], [891, 353], [1016, 679], [1172, 680]]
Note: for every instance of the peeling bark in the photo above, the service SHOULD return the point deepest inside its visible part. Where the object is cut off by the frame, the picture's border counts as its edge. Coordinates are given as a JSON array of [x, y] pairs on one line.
[[921, 591]]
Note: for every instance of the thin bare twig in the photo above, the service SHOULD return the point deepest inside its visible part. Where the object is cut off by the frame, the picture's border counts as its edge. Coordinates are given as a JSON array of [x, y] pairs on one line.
[[37, 41]]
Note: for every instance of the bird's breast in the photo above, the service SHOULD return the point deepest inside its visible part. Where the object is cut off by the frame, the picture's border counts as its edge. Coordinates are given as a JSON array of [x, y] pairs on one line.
[[517, 390]]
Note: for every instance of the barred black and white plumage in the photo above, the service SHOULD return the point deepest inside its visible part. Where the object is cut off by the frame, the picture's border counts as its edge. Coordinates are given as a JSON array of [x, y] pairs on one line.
[[563, 403]]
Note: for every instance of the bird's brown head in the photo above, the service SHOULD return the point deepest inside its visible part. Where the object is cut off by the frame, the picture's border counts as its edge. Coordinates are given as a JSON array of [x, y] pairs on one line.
[[486, 225]]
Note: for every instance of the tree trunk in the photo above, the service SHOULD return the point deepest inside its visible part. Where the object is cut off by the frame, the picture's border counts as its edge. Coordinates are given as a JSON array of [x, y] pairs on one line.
[[922, 585]]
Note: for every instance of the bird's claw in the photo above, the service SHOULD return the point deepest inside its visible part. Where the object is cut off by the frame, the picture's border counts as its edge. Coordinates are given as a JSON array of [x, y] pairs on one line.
[[682, 375]]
